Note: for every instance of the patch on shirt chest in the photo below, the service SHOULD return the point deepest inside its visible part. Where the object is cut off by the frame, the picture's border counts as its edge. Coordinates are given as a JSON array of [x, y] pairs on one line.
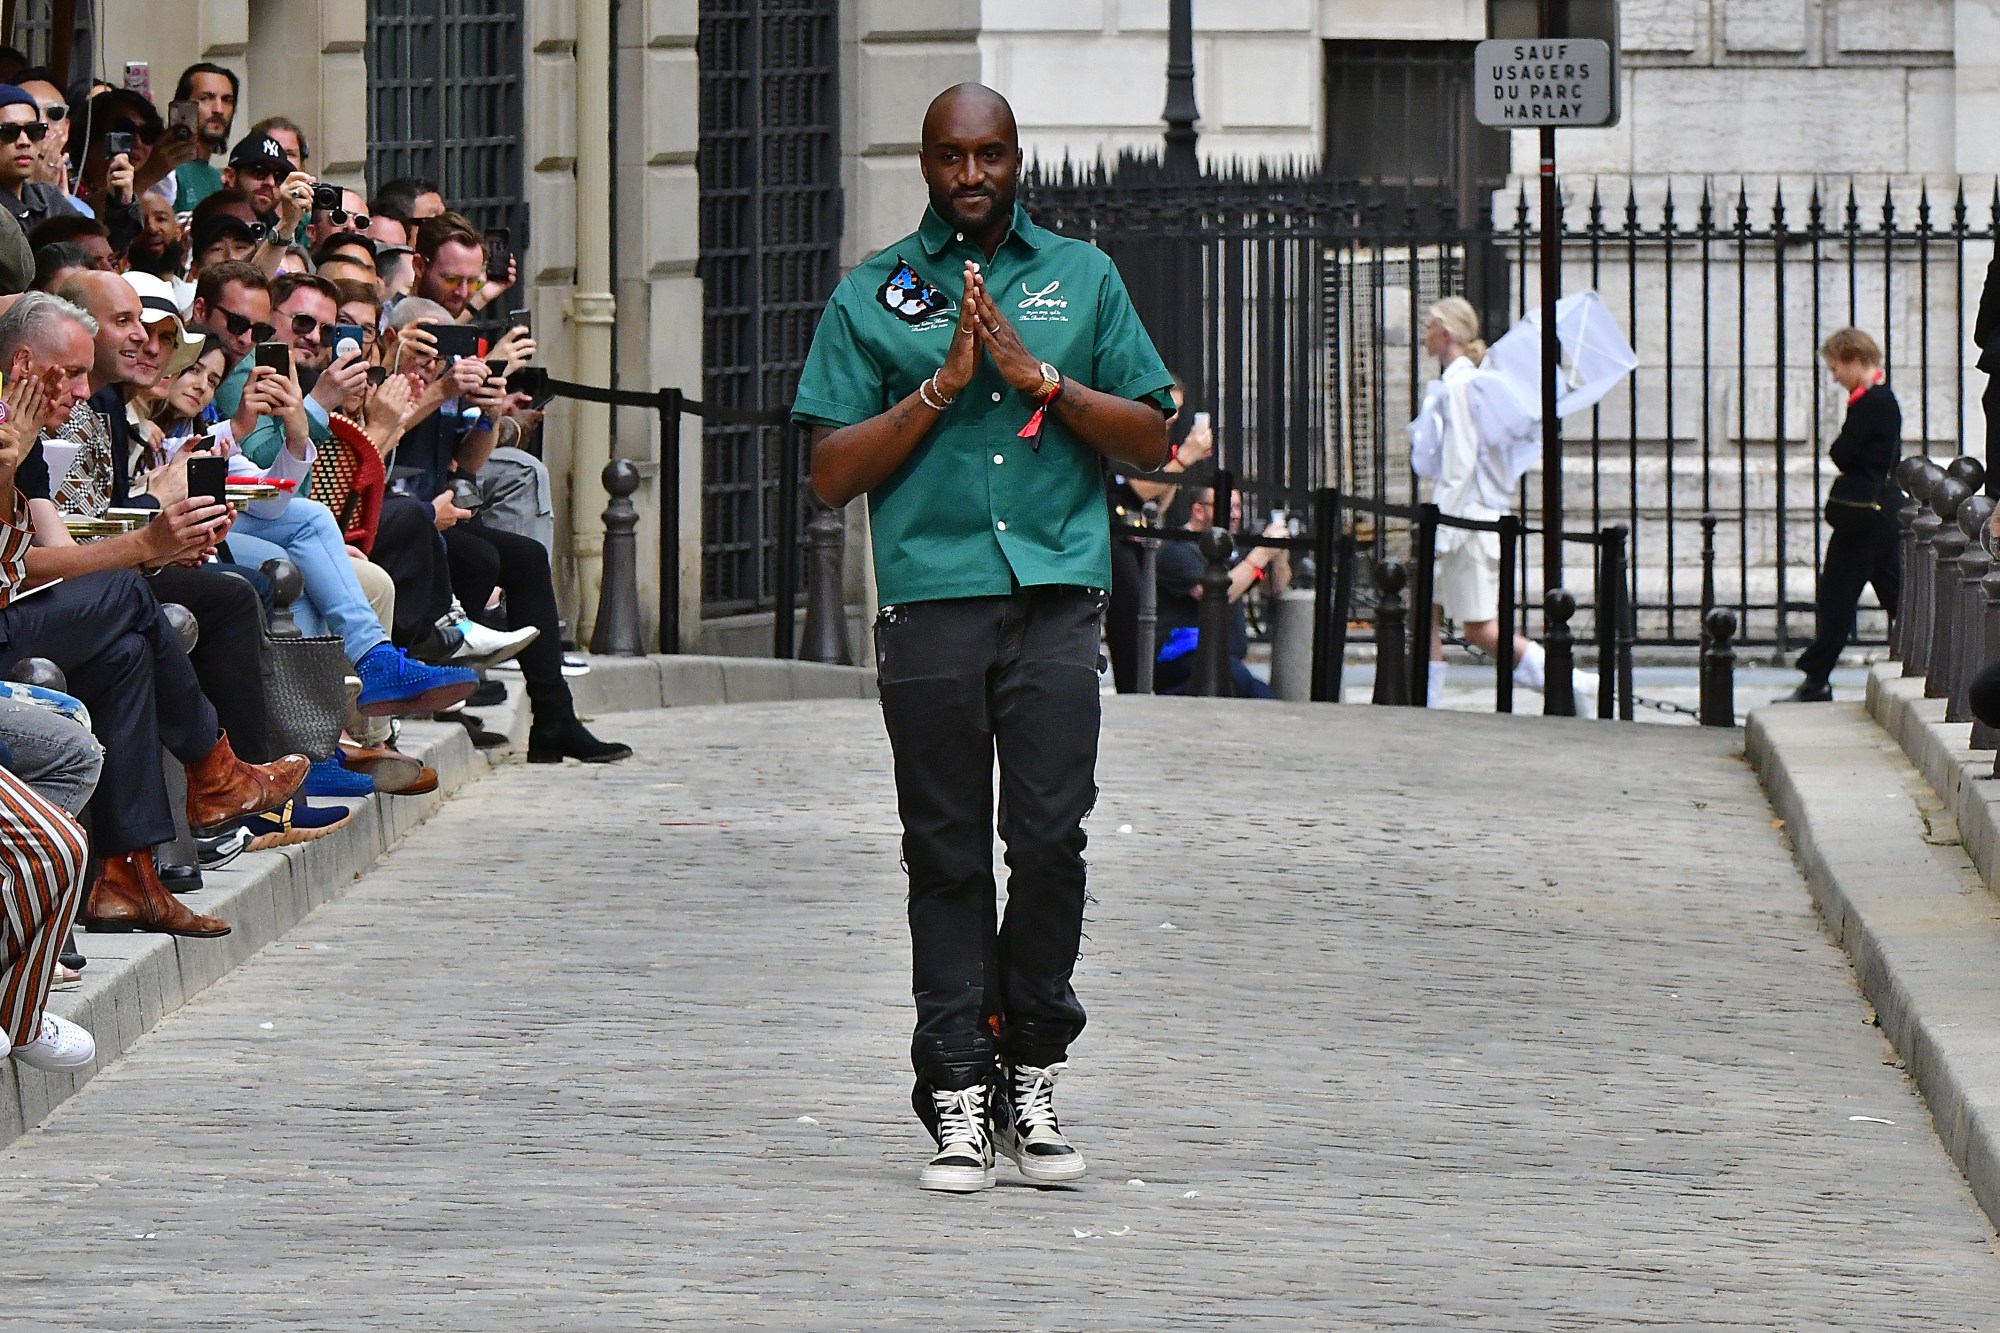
[[909, 297]]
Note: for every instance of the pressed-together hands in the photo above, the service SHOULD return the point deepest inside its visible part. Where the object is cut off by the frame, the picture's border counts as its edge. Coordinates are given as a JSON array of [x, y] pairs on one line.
[[982, 328]]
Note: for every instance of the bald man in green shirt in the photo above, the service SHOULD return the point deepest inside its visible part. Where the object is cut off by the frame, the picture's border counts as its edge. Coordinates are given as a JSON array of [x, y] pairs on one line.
[[969, 379]]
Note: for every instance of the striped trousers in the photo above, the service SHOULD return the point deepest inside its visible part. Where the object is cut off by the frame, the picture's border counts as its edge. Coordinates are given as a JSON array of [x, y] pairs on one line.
[[42, 857]]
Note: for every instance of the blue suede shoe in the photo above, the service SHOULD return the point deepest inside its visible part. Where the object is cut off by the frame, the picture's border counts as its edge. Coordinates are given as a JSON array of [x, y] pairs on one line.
[[393, 685], [329, 778]]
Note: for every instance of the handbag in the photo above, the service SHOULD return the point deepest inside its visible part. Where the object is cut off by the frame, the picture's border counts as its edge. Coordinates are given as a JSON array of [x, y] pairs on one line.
[[1855, 502], [305, 694]]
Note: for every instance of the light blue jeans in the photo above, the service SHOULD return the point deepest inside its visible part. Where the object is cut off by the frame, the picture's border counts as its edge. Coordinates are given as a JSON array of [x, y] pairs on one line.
[[306, 534]]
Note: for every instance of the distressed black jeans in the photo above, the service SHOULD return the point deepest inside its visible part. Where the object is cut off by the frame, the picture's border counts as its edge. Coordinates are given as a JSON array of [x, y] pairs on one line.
[[965, 681]]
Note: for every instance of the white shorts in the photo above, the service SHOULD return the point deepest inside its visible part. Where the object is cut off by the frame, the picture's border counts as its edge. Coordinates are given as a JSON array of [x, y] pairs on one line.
[[1468, 578]]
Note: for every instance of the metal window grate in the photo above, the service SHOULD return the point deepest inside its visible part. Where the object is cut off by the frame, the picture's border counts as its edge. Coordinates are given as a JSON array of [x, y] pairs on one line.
[[444, 102], [33, 36], [769, 162]]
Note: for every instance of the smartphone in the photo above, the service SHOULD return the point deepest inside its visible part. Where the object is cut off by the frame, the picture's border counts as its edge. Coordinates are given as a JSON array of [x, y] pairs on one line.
[[521, 319], [139, 77], [326, 197], [348, 340], [496, 369], [531, 380], [1201, 421], [119, 143], [455, 340], [276, 355], [498, 254], [183, 120], [209, 479]]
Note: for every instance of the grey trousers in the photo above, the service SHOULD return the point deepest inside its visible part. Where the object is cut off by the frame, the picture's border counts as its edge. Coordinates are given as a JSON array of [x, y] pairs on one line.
[[59, 758]]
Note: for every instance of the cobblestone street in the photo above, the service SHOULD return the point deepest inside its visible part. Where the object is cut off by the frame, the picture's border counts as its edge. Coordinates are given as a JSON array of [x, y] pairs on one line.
[[1398, 1020]]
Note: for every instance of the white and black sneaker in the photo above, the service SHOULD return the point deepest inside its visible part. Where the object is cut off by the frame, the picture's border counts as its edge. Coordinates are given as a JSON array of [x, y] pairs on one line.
[[1030, 1134], [964, 1160]]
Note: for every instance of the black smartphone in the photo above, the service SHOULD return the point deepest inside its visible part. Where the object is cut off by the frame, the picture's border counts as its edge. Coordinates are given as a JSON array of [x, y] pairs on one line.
[[183, 120], [455, 340], [521, 319], [498, 254], [208, 478], [326, 197], [119, 143], [531, 380], [496, 370], [276, 355], [348, 340]]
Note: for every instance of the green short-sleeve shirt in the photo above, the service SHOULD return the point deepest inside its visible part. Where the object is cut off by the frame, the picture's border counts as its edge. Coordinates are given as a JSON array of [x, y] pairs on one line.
[[976, 511]]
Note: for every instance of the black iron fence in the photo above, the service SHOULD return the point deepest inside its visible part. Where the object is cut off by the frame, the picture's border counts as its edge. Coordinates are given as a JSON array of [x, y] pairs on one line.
[[1294, 307]]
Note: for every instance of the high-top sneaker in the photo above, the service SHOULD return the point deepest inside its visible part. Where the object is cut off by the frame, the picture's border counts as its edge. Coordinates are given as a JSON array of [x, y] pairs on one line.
[[964, 1160], [1027, 1129]]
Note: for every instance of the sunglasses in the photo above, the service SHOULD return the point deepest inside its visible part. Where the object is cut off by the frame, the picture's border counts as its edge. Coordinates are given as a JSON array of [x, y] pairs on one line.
[[56, 114], [305, 326], [238, 326], [12, 131], [342, 217]]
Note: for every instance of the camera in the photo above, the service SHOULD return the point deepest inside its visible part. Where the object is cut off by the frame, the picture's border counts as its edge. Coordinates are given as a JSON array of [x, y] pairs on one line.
[[326, 197], [119, 143]]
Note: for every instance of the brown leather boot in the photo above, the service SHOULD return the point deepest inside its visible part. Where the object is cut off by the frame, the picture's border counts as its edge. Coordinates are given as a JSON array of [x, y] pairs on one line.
[[223, 790], [128, 895]]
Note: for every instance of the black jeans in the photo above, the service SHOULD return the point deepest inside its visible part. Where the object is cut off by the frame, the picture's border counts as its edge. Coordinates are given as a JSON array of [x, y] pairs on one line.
[[124, 661], [962, 681], [483, 559], [1854, 560], [409, 548]]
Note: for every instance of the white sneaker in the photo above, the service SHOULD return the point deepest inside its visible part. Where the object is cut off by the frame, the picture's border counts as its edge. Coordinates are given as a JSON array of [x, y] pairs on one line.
[[1030, 1135], [486, 647], [62, 1045], [964, 1160]]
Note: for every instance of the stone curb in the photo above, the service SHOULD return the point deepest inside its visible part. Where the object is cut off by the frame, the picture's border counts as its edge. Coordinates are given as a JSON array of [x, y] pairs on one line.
[[136, 980], [1942, 751], [1894, 888]]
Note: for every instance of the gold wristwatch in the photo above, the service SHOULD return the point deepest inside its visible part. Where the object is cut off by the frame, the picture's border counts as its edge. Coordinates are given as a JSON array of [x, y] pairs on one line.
[[1051, 384]]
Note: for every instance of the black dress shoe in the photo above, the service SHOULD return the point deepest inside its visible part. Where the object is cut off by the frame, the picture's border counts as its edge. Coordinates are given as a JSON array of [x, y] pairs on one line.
[[489, 693], [69, 957], [179, 879], [570, 739], [1809, 692]]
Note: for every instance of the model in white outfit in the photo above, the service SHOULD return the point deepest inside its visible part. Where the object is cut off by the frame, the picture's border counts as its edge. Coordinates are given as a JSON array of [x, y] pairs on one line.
[[1472, 480]]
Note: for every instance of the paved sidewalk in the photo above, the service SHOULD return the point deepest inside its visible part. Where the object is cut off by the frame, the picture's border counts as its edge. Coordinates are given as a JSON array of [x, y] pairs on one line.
[[1478, 1023]]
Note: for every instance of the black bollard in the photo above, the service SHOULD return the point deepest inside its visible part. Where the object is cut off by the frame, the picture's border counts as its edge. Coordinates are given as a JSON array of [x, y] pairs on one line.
[[1718, 668], [1503, 661], [825, 637], [1148, 645], [1211, 678], [1922, 622], [1947, 545], [1423, 604], [1906, 474], [40, 671], [616, 630], [1392, 677], [1559, 647], [1967, 469], [185, 625], [1969, 613], [1708, 522], [1329, 570], [286, 586]]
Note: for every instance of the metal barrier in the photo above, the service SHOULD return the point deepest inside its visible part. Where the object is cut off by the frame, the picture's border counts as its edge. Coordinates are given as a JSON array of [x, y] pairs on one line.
[[826, 628], [1402, 661]]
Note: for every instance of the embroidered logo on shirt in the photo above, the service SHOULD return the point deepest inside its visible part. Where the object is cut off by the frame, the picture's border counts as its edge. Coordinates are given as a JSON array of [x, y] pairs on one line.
[[909, 297], [1044, 306]]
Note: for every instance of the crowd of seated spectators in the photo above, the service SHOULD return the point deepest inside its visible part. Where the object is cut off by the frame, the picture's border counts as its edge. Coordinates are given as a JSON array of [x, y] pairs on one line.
[[173, 291]]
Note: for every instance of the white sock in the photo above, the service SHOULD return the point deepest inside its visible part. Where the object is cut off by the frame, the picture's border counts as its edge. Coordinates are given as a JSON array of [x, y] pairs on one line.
[[1434, 696], [1528, 672]]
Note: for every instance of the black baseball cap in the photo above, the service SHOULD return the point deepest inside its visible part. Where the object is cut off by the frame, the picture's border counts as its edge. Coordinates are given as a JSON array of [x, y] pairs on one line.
[[262, 150], [218, 226]]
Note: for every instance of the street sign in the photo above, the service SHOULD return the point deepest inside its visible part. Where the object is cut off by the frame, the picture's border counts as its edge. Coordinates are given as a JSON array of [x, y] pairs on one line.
[[1560, 82]]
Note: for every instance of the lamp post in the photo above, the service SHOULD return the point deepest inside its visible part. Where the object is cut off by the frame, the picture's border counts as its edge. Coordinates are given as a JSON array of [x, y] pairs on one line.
[[1181, 112]]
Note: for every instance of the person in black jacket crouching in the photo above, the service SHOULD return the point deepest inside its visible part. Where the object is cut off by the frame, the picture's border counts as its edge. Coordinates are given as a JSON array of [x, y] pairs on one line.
[[1860, 507]]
